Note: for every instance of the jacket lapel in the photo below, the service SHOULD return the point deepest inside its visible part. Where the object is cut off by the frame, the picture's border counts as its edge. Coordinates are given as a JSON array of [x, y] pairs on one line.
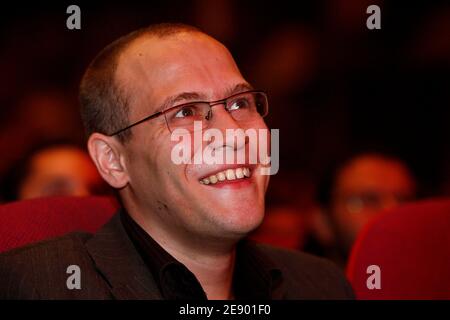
[[118, 261], [258, 261], [116, 258]]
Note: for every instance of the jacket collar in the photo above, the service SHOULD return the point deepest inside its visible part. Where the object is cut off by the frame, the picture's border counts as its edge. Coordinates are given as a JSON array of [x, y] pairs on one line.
[[258, 264], [118, 261]]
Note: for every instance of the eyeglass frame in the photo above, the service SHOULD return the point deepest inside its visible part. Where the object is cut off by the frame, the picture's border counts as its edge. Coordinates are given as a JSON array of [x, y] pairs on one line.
[[210, 103]]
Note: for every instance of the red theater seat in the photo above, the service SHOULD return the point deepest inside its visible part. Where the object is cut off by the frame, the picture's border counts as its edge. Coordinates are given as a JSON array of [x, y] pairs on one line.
[[411, 246], [28, 221]]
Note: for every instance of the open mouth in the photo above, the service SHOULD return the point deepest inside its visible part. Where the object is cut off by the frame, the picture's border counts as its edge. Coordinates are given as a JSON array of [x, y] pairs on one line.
[[227, 175]]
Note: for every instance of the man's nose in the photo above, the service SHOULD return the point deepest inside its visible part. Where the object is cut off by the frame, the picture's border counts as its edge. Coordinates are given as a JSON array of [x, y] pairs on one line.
[[222, 120]]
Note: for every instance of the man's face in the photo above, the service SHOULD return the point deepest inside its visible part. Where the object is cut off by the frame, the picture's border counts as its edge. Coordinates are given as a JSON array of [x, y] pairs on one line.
[[171, 196], [364, 188], [60, 171]]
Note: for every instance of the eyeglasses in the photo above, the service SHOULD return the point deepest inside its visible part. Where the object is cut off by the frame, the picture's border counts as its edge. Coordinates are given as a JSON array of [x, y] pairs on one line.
[[243, 107], [372, 200]]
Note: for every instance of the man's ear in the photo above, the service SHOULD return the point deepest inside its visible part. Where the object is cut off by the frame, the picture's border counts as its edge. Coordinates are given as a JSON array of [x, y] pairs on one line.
[[106, 152]]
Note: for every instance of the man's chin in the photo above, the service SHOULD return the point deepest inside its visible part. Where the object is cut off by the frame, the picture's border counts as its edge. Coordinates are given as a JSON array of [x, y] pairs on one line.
[[238, 223], [234, 211]]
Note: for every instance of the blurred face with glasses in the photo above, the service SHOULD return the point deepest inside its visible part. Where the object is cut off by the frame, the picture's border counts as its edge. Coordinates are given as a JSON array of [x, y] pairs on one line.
[[364, 187], [170, 83]]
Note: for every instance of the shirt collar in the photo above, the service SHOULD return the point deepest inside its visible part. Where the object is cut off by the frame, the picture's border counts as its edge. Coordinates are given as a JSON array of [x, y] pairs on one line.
[[256, 276], [173, 279]]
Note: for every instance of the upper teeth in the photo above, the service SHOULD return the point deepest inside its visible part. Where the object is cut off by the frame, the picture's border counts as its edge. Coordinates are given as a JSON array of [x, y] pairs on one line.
[[229, 174]]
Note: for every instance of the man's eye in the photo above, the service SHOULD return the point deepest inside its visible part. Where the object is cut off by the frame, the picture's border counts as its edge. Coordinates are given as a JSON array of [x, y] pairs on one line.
[[239, 104], [184, 112]]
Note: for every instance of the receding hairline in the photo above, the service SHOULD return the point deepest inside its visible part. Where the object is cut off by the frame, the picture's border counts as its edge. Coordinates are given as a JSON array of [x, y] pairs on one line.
[[100, 91], [133, 49], [136, 38], [180, 34]]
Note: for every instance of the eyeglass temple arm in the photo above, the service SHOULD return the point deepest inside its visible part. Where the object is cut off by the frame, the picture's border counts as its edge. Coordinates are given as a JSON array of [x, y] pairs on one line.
[[137, 122]]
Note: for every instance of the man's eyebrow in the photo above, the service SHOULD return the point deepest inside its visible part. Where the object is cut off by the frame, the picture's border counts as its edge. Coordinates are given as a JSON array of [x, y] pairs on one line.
[[241, 87], [170, 101], [196, 96]]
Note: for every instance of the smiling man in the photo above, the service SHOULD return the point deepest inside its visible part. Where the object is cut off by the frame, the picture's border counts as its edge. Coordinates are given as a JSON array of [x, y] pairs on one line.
[[180, 233]]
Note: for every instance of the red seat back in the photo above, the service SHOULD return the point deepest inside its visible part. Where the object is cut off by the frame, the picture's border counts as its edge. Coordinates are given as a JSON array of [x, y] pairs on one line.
[[28, 221], [411, 246]]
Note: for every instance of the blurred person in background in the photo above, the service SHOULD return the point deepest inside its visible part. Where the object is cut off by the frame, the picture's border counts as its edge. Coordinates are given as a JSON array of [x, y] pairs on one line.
[[40, 115], [357, 191], [53, 170]]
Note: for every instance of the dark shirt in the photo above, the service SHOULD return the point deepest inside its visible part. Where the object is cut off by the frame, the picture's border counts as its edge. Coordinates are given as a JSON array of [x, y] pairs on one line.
[[255, 276]]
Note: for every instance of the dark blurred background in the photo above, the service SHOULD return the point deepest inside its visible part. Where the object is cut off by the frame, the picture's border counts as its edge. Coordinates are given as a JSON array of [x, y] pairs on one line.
[[335, 87]]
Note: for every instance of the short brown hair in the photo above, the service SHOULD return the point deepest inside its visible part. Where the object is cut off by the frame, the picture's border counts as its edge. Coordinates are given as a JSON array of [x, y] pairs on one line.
[[104, 104]]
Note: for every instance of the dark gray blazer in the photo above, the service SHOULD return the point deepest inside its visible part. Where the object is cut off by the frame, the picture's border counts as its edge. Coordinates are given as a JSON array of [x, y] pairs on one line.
[[111, 268]]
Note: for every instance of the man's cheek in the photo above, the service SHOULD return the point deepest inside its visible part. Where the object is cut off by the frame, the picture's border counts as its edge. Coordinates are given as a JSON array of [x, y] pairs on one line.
[[184, 145], [171, 175], [266, 182], [150, 165]]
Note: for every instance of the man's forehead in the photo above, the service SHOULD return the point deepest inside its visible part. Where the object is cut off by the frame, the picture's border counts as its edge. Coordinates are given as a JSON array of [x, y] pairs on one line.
[[152, 54], [153, 45], [374, 171], [188, 61]]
